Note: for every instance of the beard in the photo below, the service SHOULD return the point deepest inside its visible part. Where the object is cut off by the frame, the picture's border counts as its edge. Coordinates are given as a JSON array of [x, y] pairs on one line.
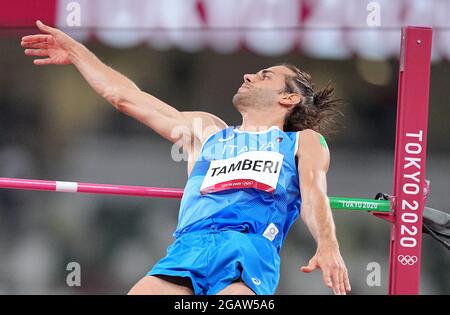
[[254, 98]]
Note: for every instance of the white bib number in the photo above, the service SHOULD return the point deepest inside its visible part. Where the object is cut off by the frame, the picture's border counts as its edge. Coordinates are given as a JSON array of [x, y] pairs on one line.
[[254, 169]]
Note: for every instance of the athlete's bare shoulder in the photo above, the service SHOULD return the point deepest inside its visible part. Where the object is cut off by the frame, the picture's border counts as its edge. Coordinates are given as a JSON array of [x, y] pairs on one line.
[[313, 137], [313, 146]]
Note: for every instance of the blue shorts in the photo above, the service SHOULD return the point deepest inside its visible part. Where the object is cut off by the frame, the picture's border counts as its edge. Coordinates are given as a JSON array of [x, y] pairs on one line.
[[213, 259]]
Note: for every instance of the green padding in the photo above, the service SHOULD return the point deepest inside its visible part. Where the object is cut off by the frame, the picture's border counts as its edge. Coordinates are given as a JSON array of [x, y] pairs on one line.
[[323, 142], [341, 203]]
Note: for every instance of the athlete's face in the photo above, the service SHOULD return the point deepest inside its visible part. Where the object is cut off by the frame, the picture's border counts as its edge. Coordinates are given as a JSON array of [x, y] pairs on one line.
[[262, 89]]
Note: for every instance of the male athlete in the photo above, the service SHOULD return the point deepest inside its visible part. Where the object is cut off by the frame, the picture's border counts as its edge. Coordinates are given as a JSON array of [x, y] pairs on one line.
[[247, 184]]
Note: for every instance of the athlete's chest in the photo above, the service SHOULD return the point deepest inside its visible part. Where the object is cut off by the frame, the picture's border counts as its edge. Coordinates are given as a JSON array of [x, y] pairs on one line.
[[244, 160], [231, 144]]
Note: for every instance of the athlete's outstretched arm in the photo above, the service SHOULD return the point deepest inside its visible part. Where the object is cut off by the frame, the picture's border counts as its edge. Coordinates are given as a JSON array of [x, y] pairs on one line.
[[117, 89], [313, 162]]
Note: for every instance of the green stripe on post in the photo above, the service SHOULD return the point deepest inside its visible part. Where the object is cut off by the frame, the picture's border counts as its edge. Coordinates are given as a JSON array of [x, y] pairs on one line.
[[342, 203]]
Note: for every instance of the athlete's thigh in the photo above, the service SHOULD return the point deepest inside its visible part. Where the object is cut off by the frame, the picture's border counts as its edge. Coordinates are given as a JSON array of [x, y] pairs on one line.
[[162, 285], [236, 288]]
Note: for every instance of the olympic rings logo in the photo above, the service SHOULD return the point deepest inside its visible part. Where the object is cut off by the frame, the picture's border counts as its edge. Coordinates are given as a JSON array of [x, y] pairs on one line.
[[407, 260]]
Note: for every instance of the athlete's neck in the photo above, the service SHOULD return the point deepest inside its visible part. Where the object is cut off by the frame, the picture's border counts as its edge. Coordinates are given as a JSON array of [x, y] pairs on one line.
[[260, 121]]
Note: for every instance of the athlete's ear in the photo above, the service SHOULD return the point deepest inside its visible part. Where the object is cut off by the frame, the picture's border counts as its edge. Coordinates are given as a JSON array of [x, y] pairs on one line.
[[290, 99]]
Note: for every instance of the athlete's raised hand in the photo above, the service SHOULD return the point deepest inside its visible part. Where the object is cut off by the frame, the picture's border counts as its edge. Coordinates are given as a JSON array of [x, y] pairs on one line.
[[334, 271], [55, 45]]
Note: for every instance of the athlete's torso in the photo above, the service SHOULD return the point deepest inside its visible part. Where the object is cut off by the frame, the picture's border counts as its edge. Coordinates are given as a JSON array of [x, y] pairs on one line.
[[244, 180]]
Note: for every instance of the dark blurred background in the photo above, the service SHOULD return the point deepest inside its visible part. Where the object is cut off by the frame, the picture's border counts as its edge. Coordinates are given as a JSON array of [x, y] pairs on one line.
[[53, 126]]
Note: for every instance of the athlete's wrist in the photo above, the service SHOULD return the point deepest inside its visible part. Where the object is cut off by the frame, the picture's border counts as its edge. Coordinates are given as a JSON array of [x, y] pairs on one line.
[[77, 52], [327, 244]]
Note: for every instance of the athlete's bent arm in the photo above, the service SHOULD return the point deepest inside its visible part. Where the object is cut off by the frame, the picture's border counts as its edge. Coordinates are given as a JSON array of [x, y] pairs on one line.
[[117, 89], [313, 163]]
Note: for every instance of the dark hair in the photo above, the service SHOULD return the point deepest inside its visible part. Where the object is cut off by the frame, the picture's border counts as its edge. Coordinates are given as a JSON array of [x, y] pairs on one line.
[[316, 110]]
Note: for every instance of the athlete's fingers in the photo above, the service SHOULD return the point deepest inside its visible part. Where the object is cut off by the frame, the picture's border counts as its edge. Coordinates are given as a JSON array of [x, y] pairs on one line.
[[34, 45], [46, 28], [341, 282], [36, 52], [37, 38], [339, 278], [42, 62], [335, 278], [327, 279], [312, 265], [308, 269], [348, 287]]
